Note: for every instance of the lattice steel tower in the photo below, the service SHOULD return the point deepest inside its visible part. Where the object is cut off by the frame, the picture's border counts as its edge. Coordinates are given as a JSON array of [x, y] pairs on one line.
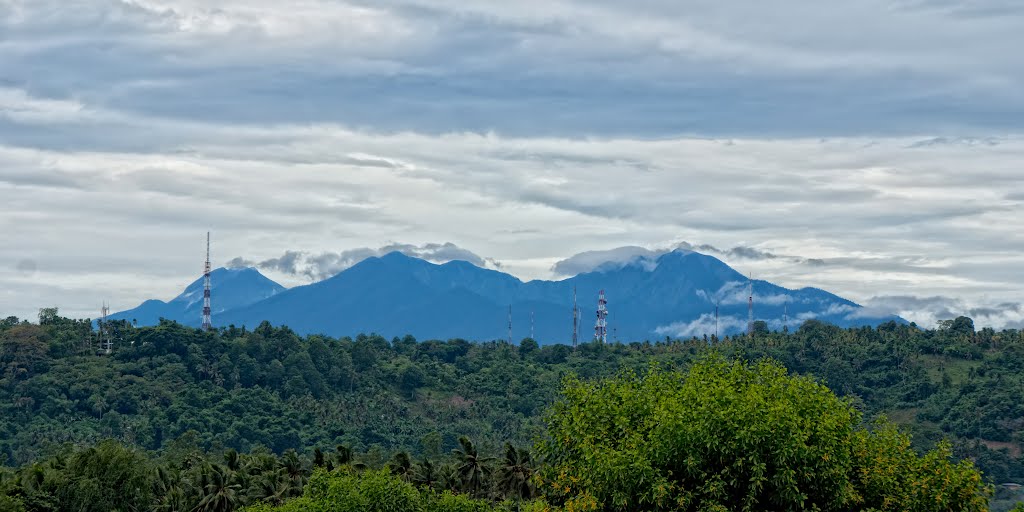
[[207, 322], [601, 327], [750, 310], [575, 320]]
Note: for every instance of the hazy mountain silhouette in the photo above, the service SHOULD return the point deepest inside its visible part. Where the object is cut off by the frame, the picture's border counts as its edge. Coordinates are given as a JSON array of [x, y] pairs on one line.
[[649, 298]]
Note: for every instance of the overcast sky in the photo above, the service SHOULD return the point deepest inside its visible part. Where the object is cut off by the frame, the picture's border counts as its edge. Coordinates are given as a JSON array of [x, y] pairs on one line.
[[872, 148]]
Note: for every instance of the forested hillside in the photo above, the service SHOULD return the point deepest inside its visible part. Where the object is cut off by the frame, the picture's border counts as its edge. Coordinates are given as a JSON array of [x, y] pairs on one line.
[[170, 388]]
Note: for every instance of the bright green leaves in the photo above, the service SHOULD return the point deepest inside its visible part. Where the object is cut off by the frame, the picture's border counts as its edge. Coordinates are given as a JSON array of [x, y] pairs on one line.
[[729, 434]]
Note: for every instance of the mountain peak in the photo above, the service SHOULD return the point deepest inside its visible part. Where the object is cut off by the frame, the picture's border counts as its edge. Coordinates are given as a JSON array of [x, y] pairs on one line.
[[654, 295]]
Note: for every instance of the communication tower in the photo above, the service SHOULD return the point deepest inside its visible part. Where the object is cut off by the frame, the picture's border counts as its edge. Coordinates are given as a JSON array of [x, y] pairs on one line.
[[601, 326], [575, 320], [106, 343], [716, 320], [509, 324], [532, 326], [207, 322], [750, 310]]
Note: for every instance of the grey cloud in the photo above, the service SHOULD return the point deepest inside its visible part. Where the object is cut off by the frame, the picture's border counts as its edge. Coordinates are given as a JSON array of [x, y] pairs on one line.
[[265, 120], [26, 267], [287, 263], [683, 70], [239, 262], [590, 261], [321, 266]]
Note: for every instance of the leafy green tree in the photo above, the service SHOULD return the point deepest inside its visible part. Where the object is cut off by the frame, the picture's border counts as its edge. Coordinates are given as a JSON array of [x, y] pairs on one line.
[[107, 477], [23, 352], [726, 436]]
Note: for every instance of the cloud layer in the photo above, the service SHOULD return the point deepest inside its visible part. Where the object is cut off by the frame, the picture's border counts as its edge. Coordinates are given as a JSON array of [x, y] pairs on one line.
[[880, 166], [316, 267]]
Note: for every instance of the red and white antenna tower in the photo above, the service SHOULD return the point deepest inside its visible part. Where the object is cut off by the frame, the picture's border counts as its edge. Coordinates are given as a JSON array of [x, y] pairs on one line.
[[601, 327], [575, 320], [207, 322], [531, 326], [750, 309]]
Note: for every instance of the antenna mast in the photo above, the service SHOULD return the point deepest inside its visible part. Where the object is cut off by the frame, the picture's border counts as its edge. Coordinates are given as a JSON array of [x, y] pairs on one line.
[[750, 309], [601, 327], [575, 320], [105, 341], [785, 318], [509, 324], [531, 326], [716, 320], [207, 323]]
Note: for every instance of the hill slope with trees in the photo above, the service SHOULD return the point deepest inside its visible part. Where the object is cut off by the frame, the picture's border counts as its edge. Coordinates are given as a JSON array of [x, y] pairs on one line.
[[172, 389]]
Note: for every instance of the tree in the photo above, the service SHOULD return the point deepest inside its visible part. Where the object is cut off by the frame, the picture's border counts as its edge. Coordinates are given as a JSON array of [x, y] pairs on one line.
[[760, 327], [401, 466], [962, 325], [731, 436], [527, 346], [473, 469], [23, 352], [515, 477], [106, 477], [219, 490], [411, 378]]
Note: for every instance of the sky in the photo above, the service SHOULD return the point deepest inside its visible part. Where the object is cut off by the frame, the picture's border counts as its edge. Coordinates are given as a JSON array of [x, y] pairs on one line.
[[871, 148]]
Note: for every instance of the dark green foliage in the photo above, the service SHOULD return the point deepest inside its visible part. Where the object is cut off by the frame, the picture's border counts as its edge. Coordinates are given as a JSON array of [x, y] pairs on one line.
[[181, 394]]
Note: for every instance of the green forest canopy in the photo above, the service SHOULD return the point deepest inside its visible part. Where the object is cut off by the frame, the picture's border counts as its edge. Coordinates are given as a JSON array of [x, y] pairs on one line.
[[267, 391]]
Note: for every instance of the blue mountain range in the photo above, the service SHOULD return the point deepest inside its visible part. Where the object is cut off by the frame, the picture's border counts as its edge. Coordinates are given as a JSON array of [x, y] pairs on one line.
[[233, 289], [674, 294]]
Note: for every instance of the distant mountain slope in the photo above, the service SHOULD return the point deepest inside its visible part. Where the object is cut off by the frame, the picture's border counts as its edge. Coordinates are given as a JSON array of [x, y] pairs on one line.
[[229, 288], [672, 295]]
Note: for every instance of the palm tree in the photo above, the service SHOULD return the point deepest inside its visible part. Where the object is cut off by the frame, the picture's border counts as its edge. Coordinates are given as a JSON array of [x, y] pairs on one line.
[[293, 469], [319, 461], [232, 460], [401, 466], [219, 490], [514, 476], [272, 487], [426, 475], [473, 470], [448, 477], [343, 455]]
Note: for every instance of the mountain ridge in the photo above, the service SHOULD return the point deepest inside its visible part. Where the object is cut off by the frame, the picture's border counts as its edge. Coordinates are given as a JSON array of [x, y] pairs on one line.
[[673, 294]]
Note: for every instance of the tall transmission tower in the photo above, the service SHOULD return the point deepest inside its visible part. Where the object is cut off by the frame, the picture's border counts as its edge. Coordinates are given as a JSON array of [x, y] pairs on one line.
[[106, 343], [750, 309], [531, 326], [785, 318], [601, 326], [509, 324], [716, 320], [575, 320], [207, 322]]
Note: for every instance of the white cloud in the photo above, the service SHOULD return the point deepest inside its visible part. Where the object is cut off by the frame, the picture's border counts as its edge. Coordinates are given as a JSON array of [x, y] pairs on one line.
[[528, 131], [704, 325]]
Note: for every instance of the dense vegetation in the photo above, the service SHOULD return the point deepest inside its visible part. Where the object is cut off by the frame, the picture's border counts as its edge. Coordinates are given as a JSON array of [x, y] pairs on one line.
[[187, 402]]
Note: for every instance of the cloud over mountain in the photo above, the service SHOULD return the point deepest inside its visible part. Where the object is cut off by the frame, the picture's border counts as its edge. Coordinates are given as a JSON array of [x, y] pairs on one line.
[[530, 131], [319, 266]]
